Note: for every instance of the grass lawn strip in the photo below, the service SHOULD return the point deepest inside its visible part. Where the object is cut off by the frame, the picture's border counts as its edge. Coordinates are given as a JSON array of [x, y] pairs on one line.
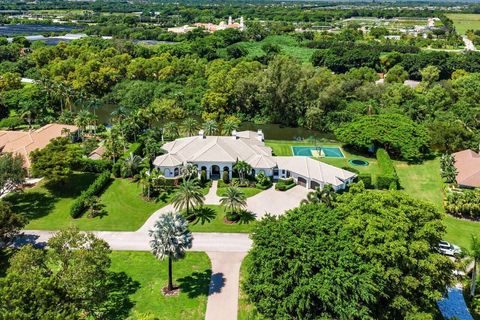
[[249, 192], [192, 274], [218, 224], [48, 208]]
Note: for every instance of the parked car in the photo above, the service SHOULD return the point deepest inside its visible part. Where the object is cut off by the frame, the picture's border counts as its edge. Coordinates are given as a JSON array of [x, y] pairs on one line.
[[448, 249]]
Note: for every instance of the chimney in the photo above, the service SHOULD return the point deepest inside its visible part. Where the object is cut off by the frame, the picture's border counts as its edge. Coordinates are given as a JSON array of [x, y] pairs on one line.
[[234, 134], [260, 135], [201, 133], [230, 21]]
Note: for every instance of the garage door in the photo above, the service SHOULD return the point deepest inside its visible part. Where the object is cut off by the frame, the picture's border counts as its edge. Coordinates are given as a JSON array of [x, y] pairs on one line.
[[302, 181], [314, 185]]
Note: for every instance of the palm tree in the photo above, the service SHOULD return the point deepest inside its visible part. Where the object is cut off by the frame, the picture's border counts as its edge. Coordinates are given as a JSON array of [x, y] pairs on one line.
[[171, 130], [131, 165], [233, 200], [82, 120], [229, 126], [325, 195], [210, 127], [171, 238], [190, 126], [188, 195], [189, 171], [243, 169], [474, 253]]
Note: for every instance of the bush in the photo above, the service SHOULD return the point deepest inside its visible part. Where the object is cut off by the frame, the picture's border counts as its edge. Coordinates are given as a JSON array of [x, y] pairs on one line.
[[367, 180], [465, 204], [387, 178], [117, 169], [222, 184], [95, 166], [203, 177], [225, 177], [285, 184], [79, 206]]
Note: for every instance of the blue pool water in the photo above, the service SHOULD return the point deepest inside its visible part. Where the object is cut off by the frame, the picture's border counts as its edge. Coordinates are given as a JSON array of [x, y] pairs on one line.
[[330, 152], [453, 306]]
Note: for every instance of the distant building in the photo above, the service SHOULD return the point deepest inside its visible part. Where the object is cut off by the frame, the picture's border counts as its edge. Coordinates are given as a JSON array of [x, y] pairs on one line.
[[211, 27], [467, 163], [24, 142], [98, 153]]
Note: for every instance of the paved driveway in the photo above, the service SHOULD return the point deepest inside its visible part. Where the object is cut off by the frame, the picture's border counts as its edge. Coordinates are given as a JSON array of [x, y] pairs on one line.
[[276, 202]]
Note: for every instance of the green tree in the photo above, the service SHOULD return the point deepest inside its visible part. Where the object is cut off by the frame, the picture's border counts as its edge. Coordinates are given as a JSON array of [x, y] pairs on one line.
[[243, 170], [10, 224], [210, 127], [170, 239], [324, 195], [131, 165], [55, 162], [474, 253], [188, 195], [396, 75], [190, 126], [233, 200], [372, 256], [12, 172]]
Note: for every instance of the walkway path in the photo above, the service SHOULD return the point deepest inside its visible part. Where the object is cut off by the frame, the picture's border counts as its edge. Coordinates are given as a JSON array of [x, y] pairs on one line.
[[224, 285], [211, 197], [469, 46]]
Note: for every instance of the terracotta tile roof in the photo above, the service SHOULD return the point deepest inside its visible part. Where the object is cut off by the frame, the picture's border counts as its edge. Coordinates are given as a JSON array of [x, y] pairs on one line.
[[24, 142], [467, 163]]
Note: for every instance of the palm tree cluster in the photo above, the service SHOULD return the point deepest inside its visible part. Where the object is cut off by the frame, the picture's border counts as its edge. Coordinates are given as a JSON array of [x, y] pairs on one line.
[[324, 195], [243, 169]]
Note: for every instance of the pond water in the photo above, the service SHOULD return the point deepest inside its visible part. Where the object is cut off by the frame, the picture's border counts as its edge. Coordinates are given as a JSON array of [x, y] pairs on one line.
[[32, 29]]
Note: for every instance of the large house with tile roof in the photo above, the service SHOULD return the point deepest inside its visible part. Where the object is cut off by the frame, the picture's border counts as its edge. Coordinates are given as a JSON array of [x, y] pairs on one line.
[[216, 154], [24, 142], [467, 163]]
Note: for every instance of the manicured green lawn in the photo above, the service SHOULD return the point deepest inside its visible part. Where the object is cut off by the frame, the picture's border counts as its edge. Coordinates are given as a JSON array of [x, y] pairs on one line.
[[218, 225], [424, 182], [192, 274], [48, 208], [464, 22], [249, 192]]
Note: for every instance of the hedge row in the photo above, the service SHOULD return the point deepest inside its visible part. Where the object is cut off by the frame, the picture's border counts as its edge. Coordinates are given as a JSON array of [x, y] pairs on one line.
[[387, 177], [79, 206], [285, 184]]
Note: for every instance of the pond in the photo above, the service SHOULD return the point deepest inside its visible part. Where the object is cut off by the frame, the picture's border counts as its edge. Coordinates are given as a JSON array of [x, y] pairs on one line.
[[32, 29]]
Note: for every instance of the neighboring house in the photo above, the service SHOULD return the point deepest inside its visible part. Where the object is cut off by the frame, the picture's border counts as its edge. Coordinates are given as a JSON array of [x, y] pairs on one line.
[[467, 163], [216, 154], [97, 154], [24, 142]]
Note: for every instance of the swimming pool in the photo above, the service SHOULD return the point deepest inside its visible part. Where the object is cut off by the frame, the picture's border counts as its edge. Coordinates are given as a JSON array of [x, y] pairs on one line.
[[329, 152]]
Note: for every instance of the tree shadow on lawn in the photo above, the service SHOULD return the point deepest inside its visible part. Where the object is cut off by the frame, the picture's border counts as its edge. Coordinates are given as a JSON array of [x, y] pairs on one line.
[[72, 187], [197, 284], [120, 287], [31, 204]]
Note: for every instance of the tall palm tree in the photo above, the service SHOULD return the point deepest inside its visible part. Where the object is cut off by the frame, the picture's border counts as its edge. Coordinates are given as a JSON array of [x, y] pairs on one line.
[[229, 126], [190, 126], [131, 165], [210, 127], [474, 253], [243, 169], [233, 200], [171, 238], [188, 195], [171, 130]]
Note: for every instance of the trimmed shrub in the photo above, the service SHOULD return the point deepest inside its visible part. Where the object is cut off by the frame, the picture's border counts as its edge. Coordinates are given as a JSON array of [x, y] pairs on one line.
[[387, 178], [285, 184], [225, 177], [367, 180], [96, 188], [203, 176]]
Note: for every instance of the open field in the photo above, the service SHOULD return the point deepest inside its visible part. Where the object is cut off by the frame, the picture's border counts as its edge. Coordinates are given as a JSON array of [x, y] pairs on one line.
[[48, 208], [464, 21], [289, 46], [192, 274], [218, 225]]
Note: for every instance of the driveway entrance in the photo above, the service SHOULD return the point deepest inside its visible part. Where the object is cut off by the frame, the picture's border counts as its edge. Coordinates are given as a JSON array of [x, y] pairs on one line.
[[276, 202]]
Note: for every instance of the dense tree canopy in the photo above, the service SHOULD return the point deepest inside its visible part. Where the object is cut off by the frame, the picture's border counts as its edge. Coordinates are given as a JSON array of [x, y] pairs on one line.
[[370, 256], [399, 135]]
